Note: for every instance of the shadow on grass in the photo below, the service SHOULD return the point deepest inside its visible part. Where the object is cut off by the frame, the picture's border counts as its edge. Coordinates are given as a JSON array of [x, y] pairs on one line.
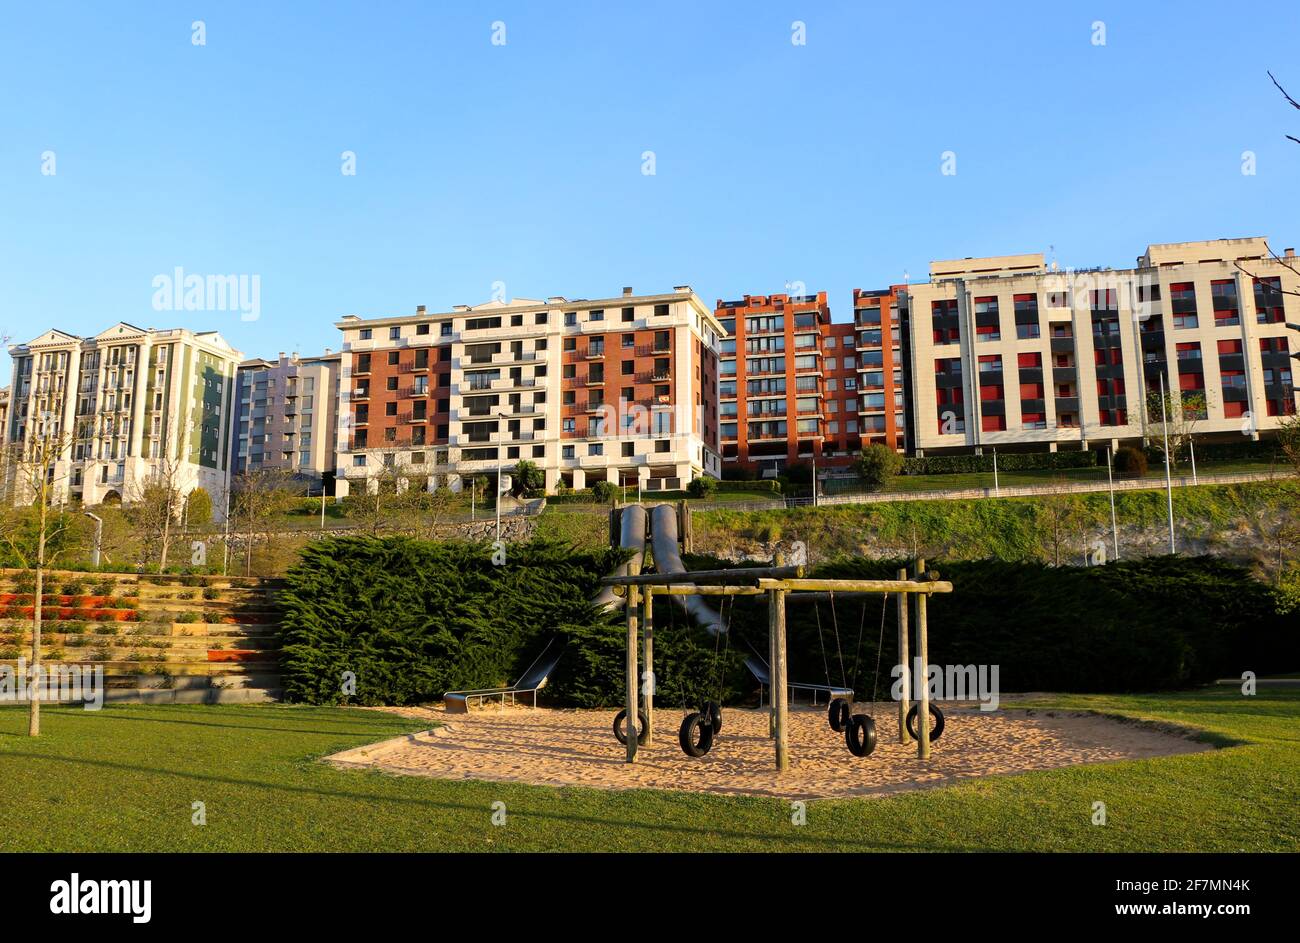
[[658, 826]]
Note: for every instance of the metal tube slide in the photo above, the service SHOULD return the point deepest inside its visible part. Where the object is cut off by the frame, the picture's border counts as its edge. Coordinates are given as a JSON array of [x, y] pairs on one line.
[[663, 543], [632, 537]]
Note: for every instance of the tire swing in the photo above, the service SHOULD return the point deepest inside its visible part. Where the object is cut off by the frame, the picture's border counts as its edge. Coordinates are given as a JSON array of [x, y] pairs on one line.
[[837, 713], [860, 731], [620, 727], [700, 727], [695, 735], [936, 722]]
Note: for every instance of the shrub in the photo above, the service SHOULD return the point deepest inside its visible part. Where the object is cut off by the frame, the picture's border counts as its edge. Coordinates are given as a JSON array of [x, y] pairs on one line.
[[1130, 462], [104, 588], [702, 487], [528, 476], [877, 465], [186, 617], [74, 588], [604, 491], [212, 618], [211, 592], [414, 619], [1007, 461], [198, 508]]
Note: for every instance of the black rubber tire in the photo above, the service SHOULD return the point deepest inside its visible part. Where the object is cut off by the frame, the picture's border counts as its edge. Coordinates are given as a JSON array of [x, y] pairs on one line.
[[621, 735], [713, 711], [860, 735], [838, 714], [936, 722], [695, 735]]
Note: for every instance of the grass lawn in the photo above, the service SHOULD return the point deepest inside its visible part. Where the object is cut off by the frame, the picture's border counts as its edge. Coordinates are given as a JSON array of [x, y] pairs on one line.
[[1009, 479], [124, 779]]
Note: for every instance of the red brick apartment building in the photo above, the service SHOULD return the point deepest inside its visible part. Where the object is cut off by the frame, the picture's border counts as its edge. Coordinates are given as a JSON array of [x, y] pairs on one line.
[[618, 389], [882, 366], [788, 384]]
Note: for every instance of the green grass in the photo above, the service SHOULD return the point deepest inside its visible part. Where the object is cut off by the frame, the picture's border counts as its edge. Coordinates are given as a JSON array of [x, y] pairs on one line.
[[1097, 475], [124, 779]]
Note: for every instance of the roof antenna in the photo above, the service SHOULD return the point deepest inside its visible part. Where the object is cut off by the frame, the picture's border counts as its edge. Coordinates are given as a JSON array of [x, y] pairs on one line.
[[1051, 250]]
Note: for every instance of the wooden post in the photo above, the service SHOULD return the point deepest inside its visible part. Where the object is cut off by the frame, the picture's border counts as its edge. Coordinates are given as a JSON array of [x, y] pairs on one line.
[[771, 663], [904, 658], [923, 653], [633, 601], [648, 658], [687, 531], [780, 680]]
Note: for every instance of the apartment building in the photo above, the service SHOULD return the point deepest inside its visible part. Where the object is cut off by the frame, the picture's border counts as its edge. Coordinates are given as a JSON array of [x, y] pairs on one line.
[[286, 417], [883, 367], [122, 406], [788, 388], [1008, 352], [5, 463], [619, 389]]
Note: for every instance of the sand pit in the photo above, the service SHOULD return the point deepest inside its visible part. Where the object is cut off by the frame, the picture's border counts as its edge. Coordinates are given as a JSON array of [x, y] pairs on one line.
[[576, 748]]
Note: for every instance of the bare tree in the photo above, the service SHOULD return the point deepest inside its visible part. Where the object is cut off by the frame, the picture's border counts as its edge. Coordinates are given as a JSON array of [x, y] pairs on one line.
[[38, 451], [1288, 440], [156, 502], [1290, 101], [1178, 413], [257, 497]]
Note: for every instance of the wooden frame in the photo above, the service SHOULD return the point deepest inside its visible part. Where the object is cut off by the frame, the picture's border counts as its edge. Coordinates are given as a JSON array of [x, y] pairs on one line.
[[778, 583]]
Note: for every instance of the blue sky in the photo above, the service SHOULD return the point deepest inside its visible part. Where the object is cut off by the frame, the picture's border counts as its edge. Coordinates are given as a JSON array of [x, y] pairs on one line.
[[522, 163]]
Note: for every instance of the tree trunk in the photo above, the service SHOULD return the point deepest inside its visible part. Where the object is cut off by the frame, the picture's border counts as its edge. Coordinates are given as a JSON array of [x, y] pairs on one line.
[[33, 692]]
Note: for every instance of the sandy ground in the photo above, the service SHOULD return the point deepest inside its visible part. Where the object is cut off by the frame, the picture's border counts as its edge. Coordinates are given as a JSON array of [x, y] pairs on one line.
[[577, 748]]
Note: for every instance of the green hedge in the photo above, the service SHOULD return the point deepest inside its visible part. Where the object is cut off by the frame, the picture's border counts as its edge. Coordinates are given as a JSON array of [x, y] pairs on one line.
[[1152, 624], [413, 619], [1007, 461]]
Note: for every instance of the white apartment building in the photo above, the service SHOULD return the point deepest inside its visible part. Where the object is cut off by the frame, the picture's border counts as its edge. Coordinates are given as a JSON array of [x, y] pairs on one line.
[[1006, 351], [121, 405], [286, 416], [622, 389]]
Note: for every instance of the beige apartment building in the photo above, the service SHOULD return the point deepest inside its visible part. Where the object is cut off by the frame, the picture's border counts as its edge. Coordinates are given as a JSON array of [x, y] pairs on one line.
[[1006, 351], [621, 389], [286, 417], [123, 406]]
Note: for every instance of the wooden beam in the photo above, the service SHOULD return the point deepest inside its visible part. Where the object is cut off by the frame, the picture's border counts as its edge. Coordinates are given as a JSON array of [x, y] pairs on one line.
[[923, 652], [648, 658], [780, 680], [903, 658], [858, 586], [738, 576], [690, 589]]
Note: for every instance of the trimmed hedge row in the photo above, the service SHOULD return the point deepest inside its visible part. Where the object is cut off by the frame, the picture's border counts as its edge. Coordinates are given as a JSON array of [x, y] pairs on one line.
[[1151, 624], [1007, 461], [413, 619]]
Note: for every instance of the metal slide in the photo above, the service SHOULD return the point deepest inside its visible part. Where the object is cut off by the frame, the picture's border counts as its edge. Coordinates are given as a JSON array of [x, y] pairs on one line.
[[631, 537], [663, 543], [632, 526]]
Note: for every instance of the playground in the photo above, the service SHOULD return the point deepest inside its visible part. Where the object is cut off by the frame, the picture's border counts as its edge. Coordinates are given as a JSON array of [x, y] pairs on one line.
[[548, 747]]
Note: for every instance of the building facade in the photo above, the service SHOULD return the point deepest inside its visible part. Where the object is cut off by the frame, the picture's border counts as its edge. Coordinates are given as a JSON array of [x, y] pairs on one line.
[[883, 367], [788, 384], [1007, 352], [619, 389], [122, 407], [286, 417]]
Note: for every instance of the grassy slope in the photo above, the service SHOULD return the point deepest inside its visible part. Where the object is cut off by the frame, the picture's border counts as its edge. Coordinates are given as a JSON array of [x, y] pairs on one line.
[[1007, 528], [125, 778]]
